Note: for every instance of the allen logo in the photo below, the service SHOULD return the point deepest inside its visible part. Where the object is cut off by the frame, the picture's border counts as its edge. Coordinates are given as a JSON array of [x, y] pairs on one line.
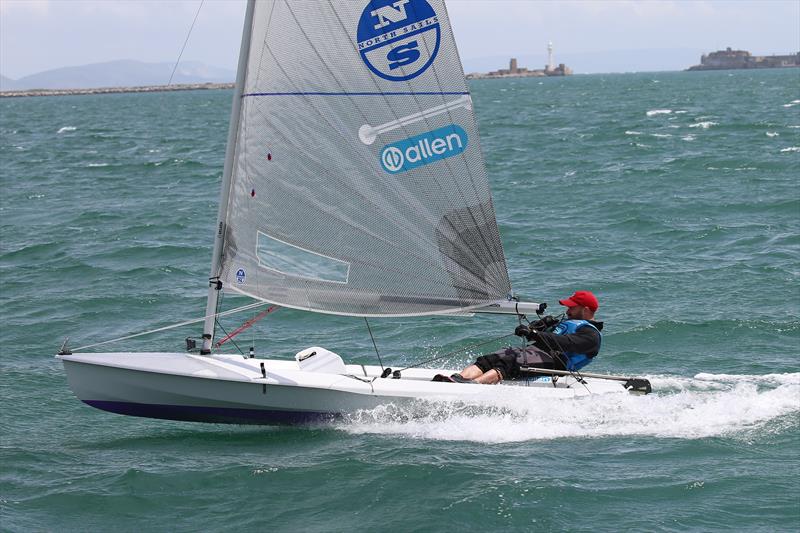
[[423, 149]]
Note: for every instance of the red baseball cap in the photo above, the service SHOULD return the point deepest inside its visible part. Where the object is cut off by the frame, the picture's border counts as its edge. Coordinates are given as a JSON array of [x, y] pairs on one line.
[[582, 298]]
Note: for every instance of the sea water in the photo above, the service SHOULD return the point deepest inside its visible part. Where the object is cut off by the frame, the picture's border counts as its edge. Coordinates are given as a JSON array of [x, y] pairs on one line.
[[675, 197]]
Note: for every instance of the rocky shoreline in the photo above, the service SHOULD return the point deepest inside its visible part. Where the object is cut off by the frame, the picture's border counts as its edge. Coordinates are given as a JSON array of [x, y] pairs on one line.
[[115, 90]]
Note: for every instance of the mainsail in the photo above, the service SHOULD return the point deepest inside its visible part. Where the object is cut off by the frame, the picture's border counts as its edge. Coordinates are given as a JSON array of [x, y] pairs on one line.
[[358, 185]]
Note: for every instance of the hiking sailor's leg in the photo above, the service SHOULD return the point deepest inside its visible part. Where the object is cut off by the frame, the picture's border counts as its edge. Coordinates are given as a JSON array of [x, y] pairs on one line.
[[471, 372], [490, 378]]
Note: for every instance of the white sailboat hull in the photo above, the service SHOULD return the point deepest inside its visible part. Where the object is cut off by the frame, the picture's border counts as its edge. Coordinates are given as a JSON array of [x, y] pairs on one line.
[[232, 389]]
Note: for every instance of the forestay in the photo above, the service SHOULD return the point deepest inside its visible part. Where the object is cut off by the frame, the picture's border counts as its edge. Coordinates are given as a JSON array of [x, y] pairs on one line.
[[358, 185]]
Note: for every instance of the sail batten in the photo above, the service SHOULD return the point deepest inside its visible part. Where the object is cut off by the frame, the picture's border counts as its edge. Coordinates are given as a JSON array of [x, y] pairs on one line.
[[359, 186]]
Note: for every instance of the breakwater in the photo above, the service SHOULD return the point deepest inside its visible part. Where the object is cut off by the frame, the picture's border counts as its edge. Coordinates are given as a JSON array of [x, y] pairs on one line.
[[114, 90]]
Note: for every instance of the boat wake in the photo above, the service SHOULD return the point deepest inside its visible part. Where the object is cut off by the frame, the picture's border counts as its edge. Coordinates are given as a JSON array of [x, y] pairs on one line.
[[707, 405]]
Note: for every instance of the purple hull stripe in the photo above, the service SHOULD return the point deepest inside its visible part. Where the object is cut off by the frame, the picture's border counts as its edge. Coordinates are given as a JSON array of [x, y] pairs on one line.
[[218, 415]]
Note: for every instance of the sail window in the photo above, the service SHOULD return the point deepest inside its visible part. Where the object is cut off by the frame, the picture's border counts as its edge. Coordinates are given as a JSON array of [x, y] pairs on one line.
[[292, 260]]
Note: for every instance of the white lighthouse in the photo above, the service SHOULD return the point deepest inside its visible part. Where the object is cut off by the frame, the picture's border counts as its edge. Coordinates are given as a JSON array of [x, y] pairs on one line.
[[549, 55]]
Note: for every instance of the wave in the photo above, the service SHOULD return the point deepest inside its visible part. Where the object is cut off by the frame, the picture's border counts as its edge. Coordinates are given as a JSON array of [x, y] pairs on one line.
[[654, 112], [707, 405], [705, 124], [791, 149], [66, 129]]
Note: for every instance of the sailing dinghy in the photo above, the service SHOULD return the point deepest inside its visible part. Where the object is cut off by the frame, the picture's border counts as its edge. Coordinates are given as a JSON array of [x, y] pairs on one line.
[[353, 184]]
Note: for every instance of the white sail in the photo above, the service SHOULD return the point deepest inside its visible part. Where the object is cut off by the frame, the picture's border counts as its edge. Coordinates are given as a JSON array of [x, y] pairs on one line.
[[358, 184]]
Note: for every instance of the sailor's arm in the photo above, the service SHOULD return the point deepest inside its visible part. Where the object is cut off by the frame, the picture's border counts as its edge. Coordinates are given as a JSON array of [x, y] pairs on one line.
[[585, 340]]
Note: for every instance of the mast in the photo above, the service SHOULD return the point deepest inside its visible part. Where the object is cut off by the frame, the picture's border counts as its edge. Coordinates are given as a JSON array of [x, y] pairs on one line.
[[214, 284]]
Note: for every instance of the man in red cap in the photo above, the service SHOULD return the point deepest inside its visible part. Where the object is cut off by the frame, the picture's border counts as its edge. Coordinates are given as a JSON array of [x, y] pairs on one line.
[[567, 344]]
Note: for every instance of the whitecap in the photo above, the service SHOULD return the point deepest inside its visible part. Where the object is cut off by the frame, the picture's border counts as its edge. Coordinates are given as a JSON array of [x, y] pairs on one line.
[[654, 112], [772, 134], [706, 406], [792, 103], [791, 149], [661, 135], [632, 132], [97, 165], [67, 128], [705, 124], [786, 378]]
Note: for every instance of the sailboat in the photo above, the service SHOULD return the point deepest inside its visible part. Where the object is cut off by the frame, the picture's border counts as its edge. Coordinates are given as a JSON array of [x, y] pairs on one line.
[[353, 184]]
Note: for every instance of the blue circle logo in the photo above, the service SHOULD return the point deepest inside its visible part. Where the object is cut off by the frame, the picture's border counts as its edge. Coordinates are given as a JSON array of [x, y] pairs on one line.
[[392, 158], [398, 39]]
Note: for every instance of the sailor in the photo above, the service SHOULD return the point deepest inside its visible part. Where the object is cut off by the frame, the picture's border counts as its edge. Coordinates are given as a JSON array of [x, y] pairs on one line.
[[568, 344]]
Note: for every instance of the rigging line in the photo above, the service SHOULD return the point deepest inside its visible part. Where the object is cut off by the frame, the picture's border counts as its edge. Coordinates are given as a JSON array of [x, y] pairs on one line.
[[185, 42], [464, 349], [373, 343], [173, 326], [218, 323], [231, 339], [246, 325]]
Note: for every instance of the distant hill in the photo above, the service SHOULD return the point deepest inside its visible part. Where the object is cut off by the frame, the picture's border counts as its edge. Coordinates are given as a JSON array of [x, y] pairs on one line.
[[7, 84], [123, 73]]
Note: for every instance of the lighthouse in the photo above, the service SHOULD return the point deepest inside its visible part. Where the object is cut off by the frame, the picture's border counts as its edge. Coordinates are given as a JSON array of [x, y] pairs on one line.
[[549, 55]]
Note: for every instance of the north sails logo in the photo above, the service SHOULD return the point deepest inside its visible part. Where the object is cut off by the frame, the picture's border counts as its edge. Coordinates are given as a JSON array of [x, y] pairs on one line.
[[389, 14], [398, 39], [423, 149]]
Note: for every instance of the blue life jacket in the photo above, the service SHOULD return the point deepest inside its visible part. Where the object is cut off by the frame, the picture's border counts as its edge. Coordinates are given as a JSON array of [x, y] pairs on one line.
[[574, 360]]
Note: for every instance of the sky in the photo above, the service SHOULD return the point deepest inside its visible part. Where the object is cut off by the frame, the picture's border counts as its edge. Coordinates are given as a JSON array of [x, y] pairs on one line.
[[37, 35]]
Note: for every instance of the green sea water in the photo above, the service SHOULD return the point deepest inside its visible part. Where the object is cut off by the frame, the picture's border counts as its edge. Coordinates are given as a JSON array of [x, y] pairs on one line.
[[675, 197]]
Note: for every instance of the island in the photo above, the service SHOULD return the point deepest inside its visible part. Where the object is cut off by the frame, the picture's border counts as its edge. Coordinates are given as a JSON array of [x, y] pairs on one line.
[[741, 59], [514, 71]]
